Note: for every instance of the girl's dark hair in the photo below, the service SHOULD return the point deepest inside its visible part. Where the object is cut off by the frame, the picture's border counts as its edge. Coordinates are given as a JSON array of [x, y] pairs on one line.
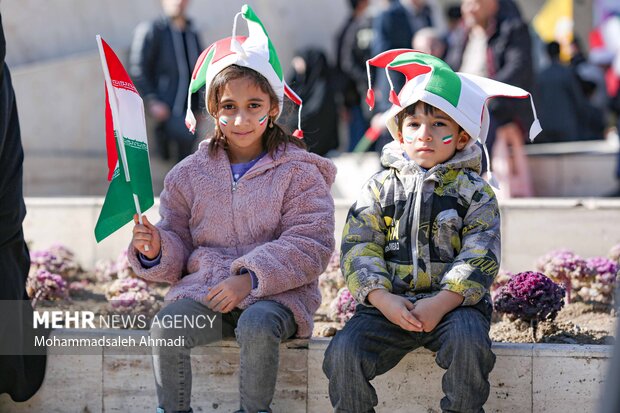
[[410, 110], [273, 137]]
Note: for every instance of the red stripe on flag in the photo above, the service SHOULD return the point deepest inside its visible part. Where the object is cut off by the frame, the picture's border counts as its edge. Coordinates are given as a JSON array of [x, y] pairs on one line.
[[118, 74], [110, 139], [201, 59]]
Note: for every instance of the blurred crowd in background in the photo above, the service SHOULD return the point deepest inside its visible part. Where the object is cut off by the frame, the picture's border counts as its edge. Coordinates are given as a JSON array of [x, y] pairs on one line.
[[574, 81]]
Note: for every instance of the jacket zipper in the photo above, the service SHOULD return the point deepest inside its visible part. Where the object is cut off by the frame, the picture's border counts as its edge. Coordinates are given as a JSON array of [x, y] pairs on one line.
[[419, 181]]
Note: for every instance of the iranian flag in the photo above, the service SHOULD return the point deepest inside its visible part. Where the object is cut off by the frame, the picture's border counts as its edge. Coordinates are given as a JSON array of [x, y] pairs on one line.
[[129, 171]]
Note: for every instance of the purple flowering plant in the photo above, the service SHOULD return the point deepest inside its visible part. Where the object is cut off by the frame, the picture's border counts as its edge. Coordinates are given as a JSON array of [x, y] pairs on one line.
[[342, 308], [531, 297], [614, 253], [332, 280], [43, 285], [127, 295], [57, 259], [600, 285], [565, 268], [500, 280]]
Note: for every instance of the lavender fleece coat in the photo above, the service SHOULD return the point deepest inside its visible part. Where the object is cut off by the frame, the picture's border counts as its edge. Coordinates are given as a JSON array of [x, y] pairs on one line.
[[277, 222]]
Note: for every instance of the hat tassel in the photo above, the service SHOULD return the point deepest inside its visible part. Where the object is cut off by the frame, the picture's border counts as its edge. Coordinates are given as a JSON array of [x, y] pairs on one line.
[[393, 96], [299, 133], [370, 95], [190, 119]]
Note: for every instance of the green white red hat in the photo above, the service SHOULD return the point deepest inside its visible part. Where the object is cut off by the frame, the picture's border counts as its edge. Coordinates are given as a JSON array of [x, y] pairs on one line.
[[256, 51], [461, 96]]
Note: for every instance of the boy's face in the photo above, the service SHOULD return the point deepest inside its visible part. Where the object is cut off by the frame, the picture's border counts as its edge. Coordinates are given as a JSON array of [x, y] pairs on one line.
[[431, 138]]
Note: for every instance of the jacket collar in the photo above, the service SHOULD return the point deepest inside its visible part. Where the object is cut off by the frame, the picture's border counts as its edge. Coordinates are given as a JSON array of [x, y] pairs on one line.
[[392, 156]]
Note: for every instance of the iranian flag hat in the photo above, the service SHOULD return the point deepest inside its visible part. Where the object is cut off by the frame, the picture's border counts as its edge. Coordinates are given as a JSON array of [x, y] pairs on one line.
[[256, 51], [461, 96]]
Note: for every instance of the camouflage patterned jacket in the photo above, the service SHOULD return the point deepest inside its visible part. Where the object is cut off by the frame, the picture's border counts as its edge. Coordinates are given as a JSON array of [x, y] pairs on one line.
[[449, 210]]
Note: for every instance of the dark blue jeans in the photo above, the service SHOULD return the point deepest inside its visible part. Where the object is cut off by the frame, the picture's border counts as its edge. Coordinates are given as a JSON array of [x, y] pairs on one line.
[[370, 345], [259, 329]]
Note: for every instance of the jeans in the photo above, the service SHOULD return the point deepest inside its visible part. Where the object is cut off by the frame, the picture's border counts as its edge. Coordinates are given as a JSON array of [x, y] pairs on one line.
[[370, 345], [259, 330]]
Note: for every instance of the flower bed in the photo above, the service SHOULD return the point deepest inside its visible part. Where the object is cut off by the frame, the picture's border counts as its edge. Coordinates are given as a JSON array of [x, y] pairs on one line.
[[112, 287]]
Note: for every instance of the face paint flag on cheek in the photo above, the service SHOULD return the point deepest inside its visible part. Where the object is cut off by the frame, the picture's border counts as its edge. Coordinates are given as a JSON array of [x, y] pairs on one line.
[[223, 120], [447, 139], [408, 139], [262, 120]]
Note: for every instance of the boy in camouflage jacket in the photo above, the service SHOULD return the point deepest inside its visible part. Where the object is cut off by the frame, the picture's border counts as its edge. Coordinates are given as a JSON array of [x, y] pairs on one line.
[[421, 246]]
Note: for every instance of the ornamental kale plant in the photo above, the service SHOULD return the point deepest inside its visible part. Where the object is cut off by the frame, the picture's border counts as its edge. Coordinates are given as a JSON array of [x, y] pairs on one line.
[[531, 297], [565, 268], [57, 259], [105, 270], [600, 285], [127, 295], [123, 268], [500, 280], [42, 285], [614, 253], [108, 270], [342, 308], [332, 280]]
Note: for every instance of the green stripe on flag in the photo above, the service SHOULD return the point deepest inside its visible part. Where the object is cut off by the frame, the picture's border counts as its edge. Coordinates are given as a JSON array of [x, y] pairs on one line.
[[249, 14], [200, 80], [443, 82], [119, 206]]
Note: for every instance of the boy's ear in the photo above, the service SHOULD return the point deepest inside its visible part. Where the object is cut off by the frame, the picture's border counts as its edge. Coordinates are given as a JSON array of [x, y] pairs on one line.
[[461, 142], [400, 137]]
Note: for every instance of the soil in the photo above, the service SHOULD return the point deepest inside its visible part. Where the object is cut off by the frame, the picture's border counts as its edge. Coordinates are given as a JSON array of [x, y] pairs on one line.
[[576, 323]]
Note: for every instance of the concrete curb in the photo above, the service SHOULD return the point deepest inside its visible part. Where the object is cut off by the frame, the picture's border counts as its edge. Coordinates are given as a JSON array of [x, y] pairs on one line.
[[526, 378]]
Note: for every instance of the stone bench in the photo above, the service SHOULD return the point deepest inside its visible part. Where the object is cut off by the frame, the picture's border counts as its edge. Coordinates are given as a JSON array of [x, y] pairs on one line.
[[526, 378]]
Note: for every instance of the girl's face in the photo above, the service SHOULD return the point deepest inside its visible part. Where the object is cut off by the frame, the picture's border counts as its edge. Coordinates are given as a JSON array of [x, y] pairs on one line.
[[243, 115], [431, 139]]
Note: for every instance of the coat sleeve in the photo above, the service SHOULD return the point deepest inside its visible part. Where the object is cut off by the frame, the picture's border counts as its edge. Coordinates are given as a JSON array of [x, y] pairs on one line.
[[363, 240], [142, 60], [176, 239], [303, 249], [477, 263]]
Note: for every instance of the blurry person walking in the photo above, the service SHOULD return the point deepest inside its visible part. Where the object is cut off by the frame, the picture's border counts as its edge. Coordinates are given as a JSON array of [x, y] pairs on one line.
[[160, 63]]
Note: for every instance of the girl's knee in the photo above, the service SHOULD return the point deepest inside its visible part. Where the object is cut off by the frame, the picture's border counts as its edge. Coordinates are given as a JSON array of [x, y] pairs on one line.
[[163, 325], [264, 321]]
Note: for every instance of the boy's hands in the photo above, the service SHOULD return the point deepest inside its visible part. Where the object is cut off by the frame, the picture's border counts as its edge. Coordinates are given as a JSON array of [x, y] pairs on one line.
[[395, 308], [227, 294], [431, 310], [146, 234]]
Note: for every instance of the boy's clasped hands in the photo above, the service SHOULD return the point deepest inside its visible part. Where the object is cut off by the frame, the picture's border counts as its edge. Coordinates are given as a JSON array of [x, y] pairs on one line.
[[222, 298], [423, 315]]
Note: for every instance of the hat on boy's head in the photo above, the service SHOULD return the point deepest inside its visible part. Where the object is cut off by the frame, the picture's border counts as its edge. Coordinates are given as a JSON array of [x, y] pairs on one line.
[[461, 96], [255, 52]]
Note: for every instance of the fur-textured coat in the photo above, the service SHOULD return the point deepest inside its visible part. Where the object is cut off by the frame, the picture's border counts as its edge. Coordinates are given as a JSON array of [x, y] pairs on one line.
[[277, 221]]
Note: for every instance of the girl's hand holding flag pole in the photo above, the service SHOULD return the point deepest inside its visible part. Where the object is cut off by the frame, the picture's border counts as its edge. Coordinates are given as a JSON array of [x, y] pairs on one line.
[[130, 189]]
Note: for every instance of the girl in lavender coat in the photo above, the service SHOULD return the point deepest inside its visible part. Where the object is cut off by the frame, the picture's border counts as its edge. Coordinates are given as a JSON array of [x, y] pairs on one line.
[[247, 226]]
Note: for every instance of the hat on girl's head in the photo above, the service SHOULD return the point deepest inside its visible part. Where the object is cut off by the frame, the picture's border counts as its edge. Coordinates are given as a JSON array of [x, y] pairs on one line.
[[461, 96], [255, 52]]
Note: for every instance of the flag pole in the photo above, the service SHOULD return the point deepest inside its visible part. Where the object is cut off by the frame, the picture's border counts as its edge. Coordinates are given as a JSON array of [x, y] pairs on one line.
[[117, 123], [114, 107]]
